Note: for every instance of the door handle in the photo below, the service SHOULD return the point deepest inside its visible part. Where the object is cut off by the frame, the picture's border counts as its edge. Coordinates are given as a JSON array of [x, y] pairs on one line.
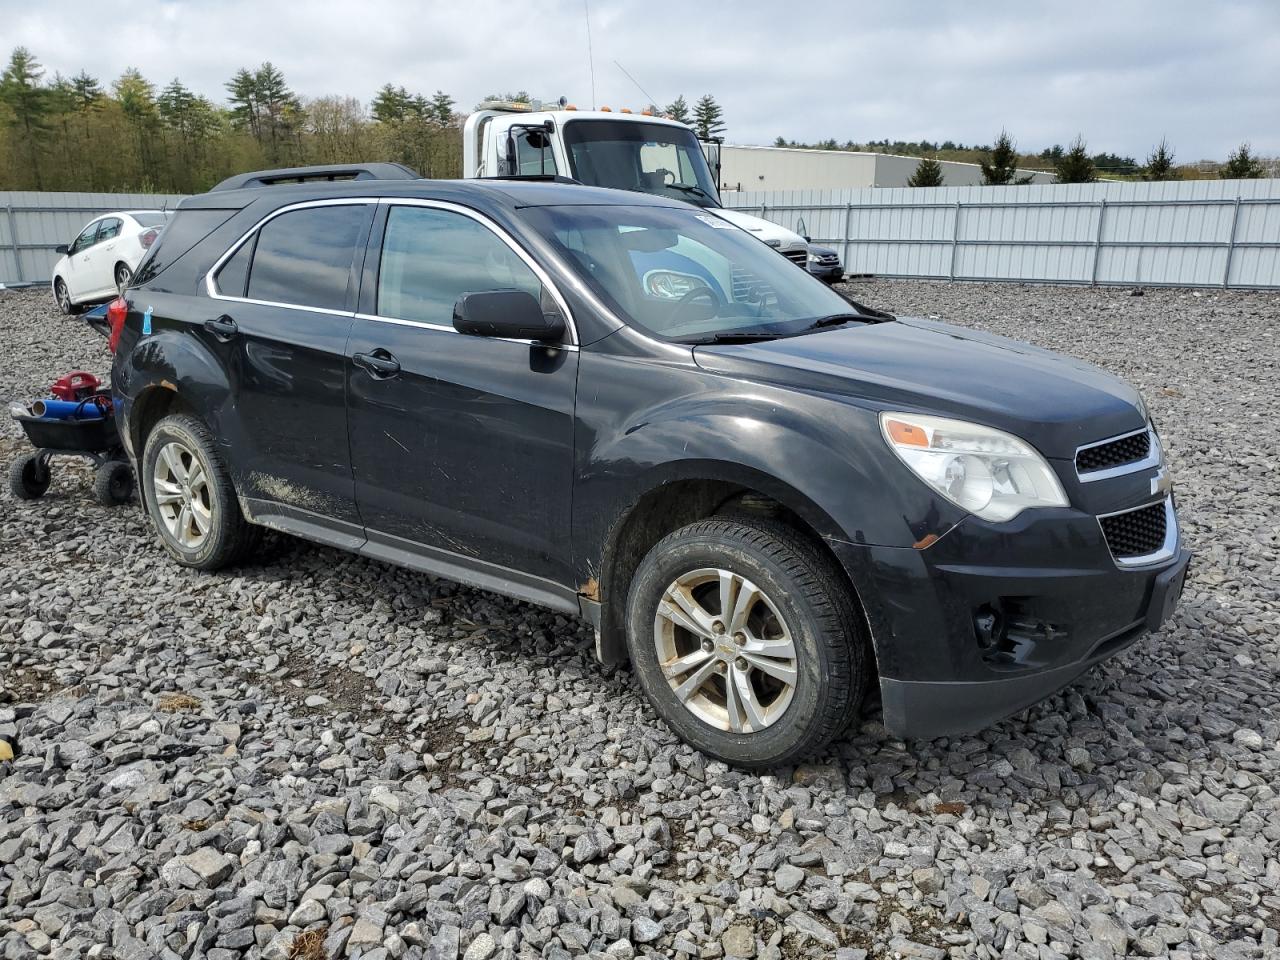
[[223, 328], [379, 364]]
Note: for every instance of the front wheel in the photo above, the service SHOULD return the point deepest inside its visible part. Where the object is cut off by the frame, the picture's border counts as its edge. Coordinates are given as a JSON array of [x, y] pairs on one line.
[[63, 296], [190, 497], [746, 640]]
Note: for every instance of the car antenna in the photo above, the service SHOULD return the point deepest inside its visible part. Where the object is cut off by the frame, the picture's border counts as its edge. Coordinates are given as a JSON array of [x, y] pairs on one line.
[[591, 62], [636, 82]]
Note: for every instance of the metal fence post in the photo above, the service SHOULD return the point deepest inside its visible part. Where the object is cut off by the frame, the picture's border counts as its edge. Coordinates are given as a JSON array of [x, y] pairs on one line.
[[955, 240], [13, 242], [1231, 244], [848, 223], [1097, 241]]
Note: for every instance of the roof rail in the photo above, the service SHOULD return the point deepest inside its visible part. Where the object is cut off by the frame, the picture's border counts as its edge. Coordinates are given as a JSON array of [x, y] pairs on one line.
[[536, 178], [338, 171]]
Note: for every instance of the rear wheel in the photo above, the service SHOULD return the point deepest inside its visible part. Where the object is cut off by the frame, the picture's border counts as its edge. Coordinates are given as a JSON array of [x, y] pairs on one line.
[[123, 276], [746, 640], [29, 477], [190, 497]]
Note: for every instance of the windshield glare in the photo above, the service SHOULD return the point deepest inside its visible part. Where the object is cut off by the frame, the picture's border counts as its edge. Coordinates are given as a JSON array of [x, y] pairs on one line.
[[644, 157], [684, 274]]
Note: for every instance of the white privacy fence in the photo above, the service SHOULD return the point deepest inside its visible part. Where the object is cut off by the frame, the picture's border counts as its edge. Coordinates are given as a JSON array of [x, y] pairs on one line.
[[1194, 233], [32, 224]]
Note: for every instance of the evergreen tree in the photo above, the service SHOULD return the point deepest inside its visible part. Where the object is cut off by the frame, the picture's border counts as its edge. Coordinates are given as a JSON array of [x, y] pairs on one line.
[[1242, 165], [137, 99], [27, 105], [280, 112], [440, 109], [391, 104], [708, 118], [1076, 166], [88, 91], [1001, 166], [928, 174], [1160, 163], [678, 110], [242, 92]]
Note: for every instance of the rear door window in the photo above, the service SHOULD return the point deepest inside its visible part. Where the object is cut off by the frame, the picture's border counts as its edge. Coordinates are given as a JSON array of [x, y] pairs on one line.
[[304, 257], [431, 257], [109, 229]]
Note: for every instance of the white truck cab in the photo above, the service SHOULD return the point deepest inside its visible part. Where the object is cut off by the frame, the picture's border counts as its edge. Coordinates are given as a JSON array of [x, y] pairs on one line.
[[603, 148]]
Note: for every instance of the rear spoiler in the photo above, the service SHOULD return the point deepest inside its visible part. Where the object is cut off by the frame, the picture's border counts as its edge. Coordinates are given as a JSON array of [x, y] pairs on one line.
[[286, 175]]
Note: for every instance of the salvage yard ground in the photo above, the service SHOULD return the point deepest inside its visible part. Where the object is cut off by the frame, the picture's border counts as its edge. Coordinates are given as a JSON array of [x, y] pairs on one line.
[[214, 765]]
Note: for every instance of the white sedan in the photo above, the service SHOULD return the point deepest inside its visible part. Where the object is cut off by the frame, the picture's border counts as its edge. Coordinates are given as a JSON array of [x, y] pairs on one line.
[[99, 263]]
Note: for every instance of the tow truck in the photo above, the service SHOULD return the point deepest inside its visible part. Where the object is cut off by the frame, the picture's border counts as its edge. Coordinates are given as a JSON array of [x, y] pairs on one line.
[[624, 150]]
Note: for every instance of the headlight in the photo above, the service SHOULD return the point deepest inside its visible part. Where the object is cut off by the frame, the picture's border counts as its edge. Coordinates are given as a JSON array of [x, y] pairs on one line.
[[992, 474], [814, 258]]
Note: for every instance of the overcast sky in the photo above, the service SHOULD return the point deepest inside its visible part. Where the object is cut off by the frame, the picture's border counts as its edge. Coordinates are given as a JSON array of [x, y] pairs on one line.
[[1204, 74]]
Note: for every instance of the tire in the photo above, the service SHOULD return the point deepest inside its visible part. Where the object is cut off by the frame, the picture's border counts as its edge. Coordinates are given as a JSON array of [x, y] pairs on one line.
[[63, 297], [213, 532], [28, 477], [123, 275], [113, 483], [800, 598]]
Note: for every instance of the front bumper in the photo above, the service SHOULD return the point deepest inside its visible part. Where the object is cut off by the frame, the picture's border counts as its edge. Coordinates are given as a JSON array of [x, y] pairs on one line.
[[831, 273], [992, 618]]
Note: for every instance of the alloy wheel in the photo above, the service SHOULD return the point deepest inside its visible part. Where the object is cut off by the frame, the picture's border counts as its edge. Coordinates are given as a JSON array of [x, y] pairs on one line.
[[181, 487], [123, 276], [63, 296], [725, 650]]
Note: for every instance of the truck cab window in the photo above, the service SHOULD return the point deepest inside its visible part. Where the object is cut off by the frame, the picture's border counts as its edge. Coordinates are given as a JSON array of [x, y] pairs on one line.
[[533, 153]]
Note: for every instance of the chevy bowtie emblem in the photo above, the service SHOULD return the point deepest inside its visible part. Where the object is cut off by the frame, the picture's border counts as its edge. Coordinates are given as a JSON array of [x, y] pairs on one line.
[[1161, 484]]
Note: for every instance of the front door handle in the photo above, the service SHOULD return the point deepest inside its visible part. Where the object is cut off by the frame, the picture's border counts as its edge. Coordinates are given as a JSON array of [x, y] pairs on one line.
[[223, 327], [379, 364]]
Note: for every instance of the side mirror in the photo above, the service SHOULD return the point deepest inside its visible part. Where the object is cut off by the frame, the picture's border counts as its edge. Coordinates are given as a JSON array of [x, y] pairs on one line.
[[514, 314], [62, 248]]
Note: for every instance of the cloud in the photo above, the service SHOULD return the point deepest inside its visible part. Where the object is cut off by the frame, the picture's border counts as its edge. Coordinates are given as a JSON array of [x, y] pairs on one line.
[[1123, 75]]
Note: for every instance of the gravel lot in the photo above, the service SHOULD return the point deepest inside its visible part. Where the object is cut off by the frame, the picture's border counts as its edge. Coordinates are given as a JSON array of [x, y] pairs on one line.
[[321, 755]]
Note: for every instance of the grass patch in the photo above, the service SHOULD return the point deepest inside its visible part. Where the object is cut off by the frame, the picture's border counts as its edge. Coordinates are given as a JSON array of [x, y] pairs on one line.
[[174, 702]]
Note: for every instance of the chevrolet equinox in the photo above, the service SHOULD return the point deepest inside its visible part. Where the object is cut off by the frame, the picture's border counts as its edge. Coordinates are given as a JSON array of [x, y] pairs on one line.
[[764, 496]]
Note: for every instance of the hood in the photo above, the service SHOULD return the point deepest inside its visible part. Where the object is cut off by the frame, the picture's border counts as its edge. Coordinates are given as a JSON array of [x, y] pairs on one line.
[[1054, 402], [764, 229]]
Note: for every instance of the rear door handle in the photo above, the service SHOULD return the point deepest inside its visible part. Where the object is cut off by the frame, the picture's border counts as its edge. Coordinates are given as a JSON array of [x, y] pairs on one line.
[[223, 327], [379, 363]]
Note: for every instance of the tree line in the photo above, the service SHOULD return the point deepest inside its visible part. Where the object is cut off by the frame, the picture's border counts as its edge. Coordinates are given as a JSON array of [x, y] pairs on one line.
[[1001, 162], [75, 133]]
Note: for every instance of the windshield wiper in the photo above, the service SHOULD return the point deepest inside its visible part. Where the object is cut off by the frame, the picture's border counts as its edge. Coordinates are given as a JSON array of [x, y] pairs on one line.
[[689, 188], [728, 337], [835, 320]]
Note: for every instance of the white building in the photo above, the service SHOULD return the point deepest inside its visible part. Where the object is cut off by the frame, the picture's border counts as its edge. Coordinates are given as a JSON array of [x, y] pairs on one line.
[[790, 168]]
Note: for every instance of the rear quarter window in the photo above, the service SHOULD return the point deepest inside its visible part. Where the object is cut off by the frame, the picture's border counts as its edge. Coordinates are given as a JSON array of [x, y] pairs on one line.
[[182, 233]]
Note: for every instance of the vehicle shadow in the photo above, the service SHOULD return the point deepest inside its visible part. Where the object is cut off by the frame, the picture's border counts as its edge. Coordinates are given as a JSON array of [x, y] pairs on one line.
[[1115, 726]]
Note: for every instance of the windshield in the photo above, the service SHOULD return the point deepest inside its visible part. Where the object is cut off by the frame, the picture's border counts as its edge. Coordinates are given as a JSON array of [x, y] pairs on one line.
[[645, 157], [687, 275]]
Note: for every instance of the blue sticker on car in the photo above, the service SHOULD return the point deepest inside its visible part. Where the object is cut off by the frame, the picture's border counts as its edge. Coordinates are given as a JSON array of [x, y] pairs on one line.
[[146, 322]]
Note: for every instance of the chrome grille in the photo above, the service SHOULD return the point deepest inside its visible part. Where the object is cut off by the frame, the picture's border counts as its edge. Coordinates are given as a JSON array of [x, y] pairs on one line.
[[798, 257], [1123, 454], [1136, 533]]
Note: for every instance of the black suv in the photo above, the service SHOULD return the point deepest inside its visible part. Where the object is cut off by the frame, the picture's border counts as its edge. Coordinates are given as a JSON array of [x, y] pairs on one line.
[[761, 494]]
